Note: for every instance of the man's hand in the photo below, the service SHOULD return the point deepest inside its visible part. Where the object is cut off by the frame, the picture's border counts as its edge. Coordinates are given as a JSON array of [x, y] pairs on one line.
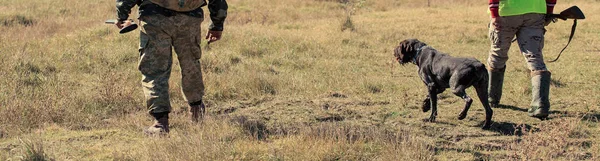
[[213, 36], [549, 18], [124, 23], [496, 22]]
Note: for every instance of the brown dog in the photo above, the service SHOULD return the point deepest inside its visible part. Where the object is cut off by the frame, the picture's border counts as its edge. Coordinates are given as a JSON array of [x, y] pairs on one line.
[[440, 71]]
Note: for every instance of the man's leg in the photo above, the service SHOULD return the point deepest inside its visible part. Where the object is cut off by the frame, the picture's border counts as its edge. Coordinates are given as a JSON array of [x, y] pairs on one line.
[[155, 66], [187, 47], [501, 40], [531, 43]]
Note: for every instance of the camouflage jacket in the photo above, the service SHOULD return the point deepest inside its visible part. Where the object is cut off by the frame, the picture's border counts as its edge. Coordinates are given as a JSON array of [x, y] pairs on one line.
[[217, 9]]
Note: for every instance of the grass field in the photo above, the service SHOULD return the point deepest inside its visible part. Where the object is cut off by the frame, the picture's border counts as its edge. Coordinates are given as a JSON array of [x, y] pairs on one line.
[[290, 80]]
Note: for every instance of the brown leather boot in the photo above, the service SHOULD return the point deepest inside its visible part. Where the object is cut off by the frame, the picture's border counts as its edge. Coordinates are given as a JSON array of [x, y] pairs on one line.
[[160, 126], [197, 109]]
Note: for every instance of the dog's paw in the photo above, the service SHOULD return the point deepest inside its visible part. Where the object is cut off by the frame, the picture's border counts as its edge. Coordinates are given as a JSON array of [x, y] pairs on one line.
[[462, 116], [426, 120], [486, 126], [430, 119]]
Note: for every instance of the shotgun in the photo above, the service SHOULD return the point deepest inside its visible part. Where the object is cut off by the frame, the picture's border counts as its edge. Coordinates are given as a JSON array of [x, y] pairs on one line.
[[572, 12], [125, 29]]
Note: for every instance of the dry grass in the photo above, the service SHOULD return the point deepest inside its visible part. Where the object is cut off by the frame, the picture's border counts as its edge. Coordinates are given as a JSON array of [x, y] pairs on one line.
[[290, 80]]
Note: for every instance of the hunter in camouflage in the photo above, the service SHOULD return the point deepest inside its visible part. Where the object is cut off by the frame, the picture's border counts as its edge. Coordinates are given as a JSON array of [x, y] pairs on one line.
[[164, 30]]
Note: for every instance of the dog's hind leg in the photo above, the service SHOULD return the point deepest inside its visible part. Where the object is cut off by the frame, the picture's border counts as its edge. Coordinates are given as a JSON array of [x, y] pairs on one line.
[[482, 90], [460, 92]]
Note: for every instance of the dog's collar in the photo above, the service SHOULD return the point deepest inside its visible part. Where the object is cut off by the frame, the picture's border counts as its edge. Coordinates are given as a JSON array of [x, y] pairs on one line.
[[414, 60]]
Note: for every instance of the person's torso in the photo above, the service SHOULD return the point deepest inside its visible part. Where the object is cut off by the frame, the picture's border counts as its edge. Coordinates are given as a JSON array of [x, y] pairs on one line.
[[179, 5], [519, 7]]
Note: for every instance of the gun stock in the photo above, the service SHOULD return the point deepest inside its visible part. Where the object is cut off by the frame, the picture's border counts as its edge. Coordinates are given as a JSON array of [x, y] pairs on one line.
[[572, 12]]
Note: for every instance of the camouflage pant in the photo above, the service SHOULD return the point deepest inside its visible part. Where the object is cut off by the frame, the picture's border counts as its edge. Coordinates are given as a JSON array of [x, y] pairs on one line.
[[159, 34], [529, 29]]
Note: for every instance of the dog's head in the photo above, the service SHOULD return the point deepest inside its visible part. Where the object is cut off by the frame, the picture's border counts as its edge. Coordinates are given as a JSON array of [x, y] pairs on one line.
[[407, 50]]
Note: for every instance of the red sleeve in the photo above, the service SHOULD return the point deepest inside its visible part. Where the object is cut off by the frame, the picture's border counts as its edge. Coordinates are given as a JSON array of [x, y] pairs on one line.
[[550, 6], [494, 7]]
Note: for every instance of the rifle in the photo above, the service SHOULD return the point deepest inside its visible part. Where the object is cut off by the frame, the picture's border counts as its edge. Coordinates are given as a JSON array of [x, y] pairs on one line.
[[125, 29], [572, 12]]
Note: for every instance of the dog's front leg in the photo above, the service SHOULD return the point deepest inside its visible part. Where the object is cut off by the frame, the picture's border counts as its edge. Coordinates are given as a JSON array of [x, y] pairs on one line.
[[426, 106], [433, 101]]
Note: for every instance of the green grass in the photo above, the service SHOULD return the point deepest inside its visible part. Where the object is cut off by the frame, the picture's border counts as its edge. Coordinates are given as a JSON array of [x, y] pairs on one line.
[[286, 82]]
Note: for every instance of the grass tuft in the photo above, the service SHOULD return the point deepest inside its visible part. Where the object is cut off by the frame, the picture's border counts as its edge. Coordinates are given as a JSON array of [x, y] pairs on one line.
[[347, 24], [235, 60], [34, 151], [266, 86], [253, 52], [252, 127], [374, 88], [17, 20]]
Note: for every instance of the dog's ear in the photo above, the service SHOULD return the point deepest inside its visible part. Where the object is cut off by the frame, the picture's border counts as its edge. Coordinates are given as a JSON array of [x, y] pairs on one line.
[[398, 51], [404, 51], [407, 46], [410, 44]]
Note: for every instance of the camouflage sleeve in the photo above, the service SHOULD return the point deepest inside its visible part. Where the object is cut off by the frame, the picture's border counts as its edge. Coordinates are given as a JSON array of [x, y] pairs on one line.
[[218, 13], [124, 8]]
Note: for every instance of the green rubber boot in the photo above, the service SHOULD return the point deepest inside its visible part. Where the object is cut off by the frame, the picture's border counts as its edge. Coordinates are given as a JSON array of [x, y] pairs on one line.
[[495, 86], [540, 102]]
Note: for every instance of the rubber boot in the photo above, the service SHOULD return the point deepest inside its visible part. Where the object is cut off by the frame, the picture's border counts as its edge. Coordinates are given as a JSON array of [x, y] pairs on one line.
[[197, 109], [495, 86], [160, 126], [540, 102]]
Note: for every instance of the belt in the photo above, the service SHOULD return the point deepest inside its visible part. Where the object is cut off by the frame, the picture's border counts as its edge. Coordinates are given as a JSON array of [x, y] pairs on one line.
[[151, 9]]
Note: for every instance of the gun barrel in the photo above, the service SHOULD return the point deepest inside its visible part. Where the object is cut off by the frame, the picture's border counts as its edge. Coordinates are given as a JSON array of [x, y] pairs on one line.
[[113, 21]]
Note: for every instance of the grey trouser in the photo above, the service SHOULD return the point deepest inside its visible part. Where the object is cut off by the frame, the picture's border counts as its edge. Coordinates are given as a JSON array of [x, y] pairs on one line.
[[159, 35], [529, 29]]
